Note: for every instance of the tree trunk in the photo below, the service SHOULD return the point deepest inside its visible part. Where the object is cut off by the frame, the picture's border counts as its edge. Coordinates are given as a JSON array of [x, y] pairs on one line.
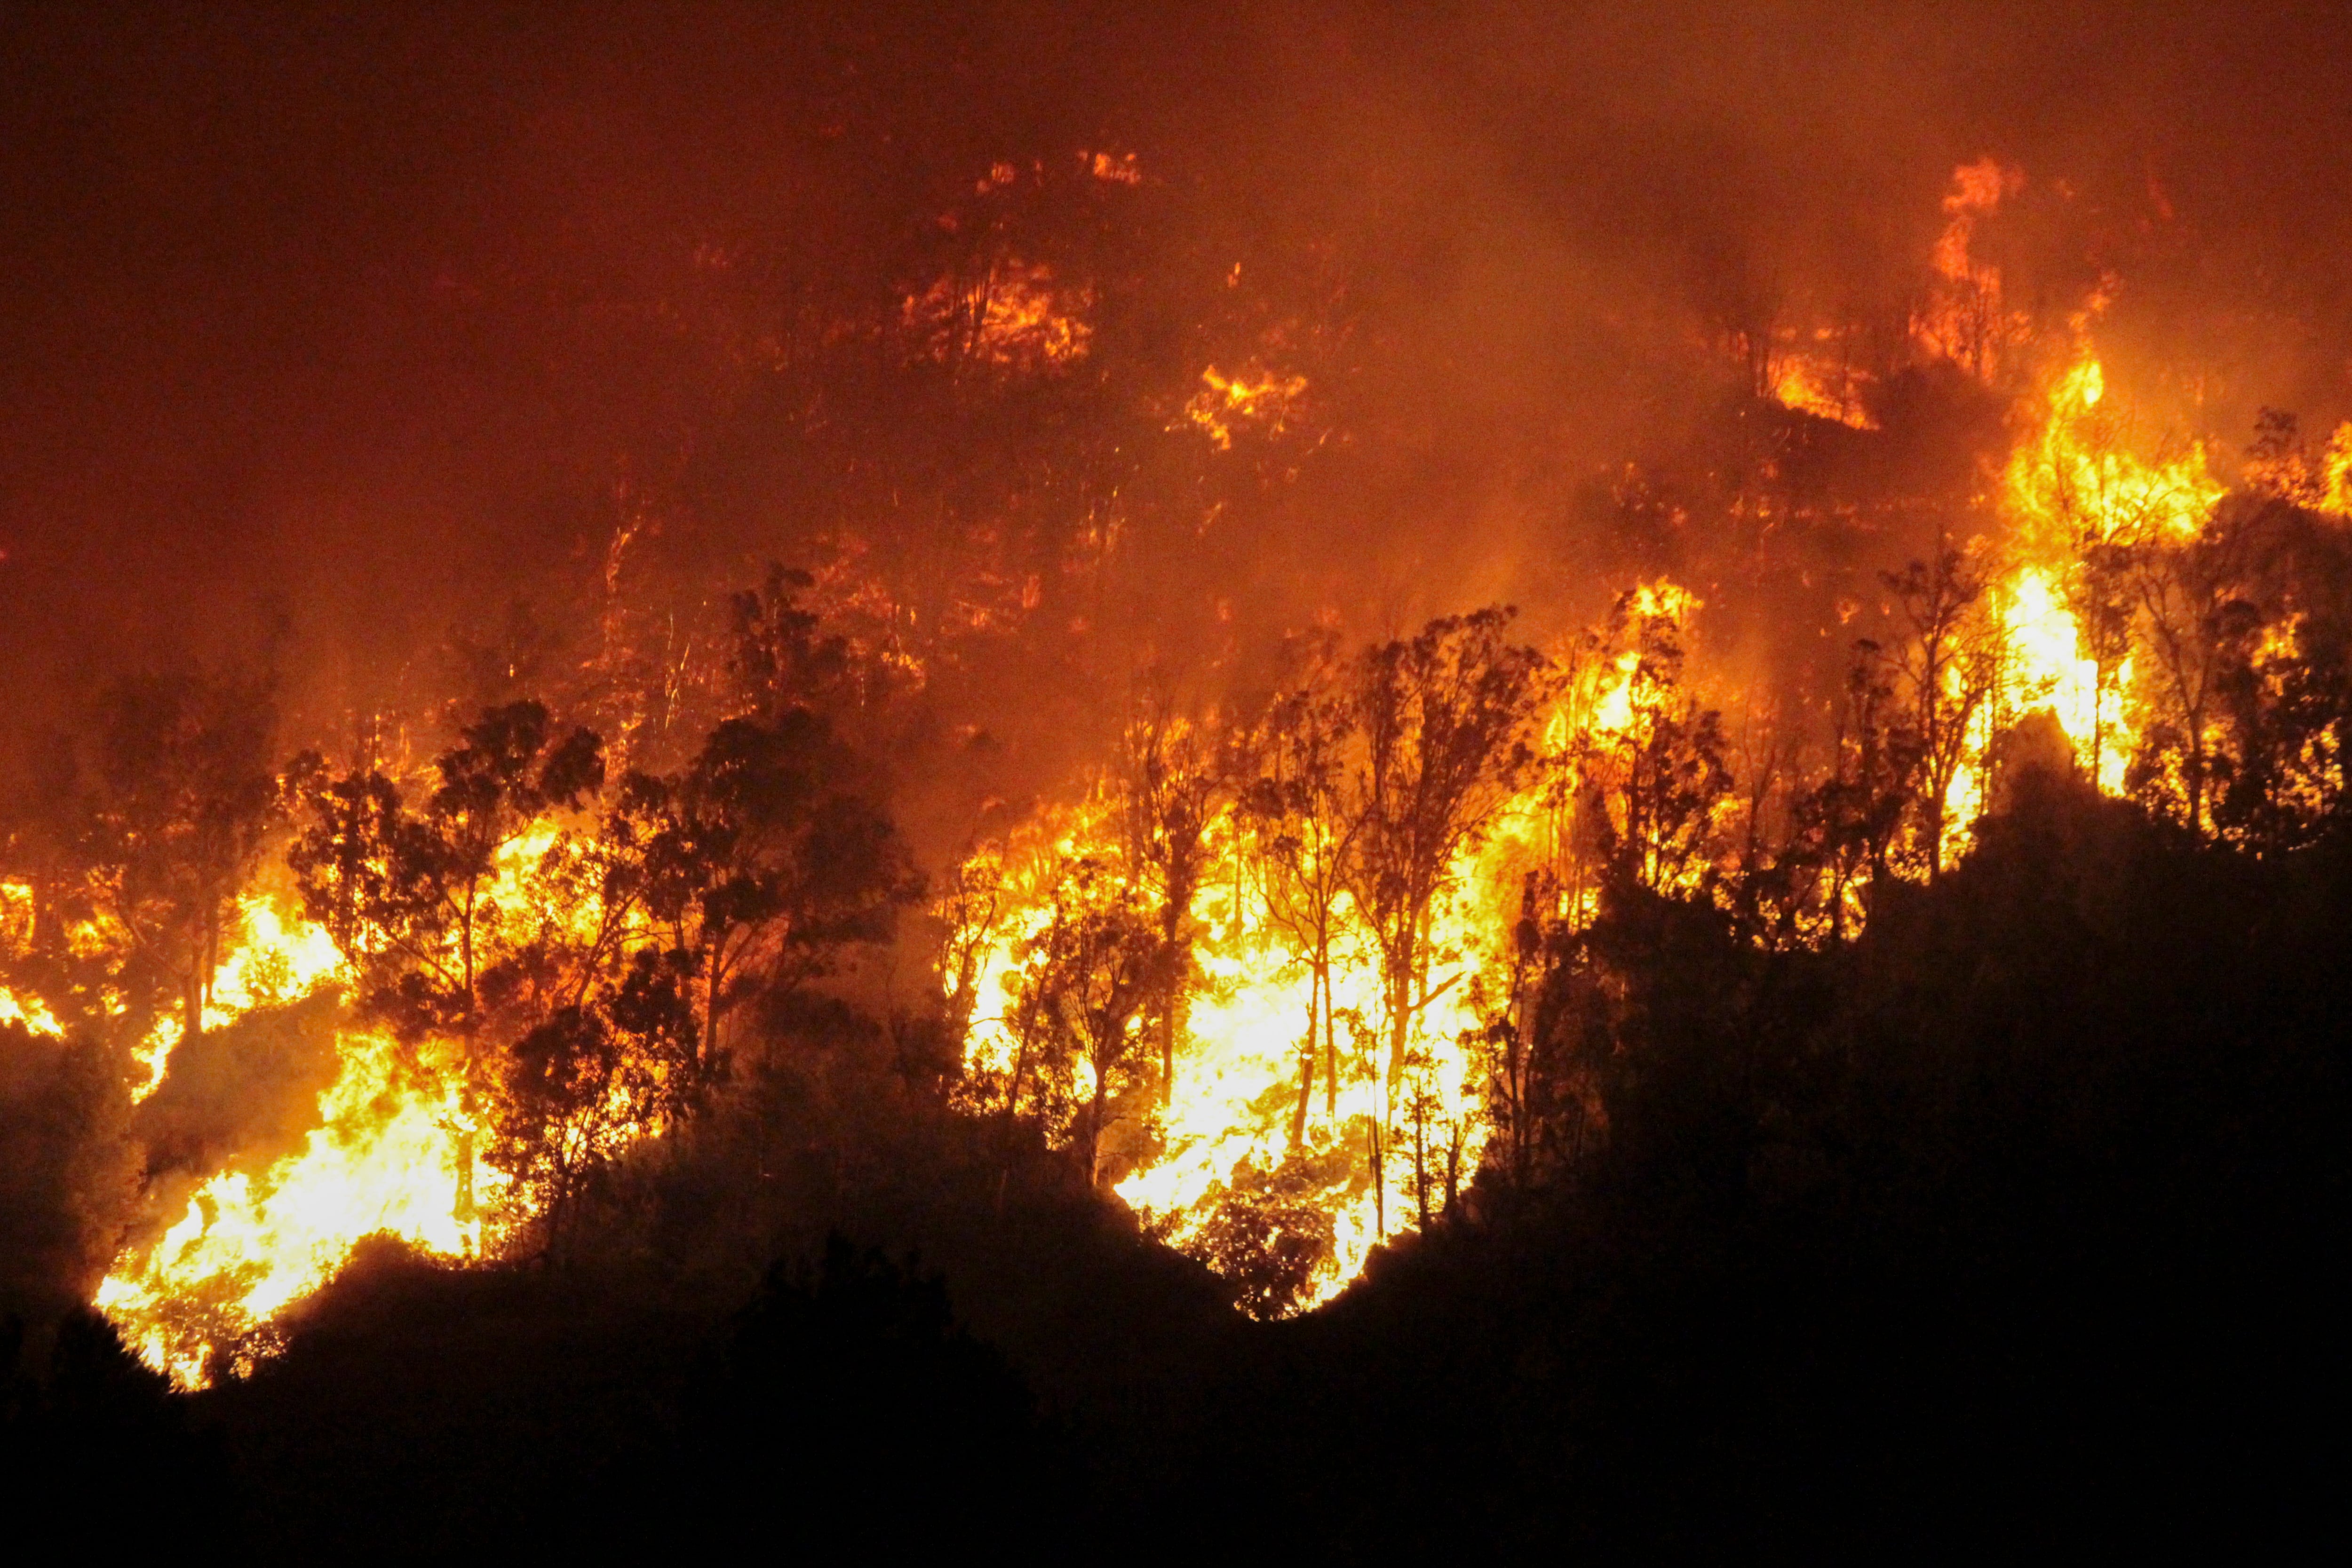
[[1330, 1043], [1453, 1170], [1168, 1050], [1306, 1081], [708, 1051], [2098, 721], [1936, 830], [463, 1210], [1420, 1161], [2197, 778], [1094, 1130], [1400, 1016], [1172, 927]]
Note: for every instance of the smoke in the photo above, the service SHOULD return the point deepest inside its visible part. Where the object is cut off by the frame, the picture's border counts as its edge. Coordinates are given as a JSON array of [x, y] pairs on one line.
[[68, 1171], [378, 321], [245, 1095]]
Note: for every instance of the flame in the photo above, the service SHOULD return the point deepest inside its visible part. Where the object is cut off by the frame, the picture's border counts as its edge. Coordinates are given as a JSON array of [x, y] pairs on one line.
[[16, 916], [393, 1154], [382, 1163], [1256, 397], [2047, 669], [2075, 480], [1230, 1109], [1231, 1113], [153, 1056], [2335, 471], [29, 1012], [1112, 168], [394, 1150], [16, 933], [1963, 318], [1810, 384], [2044, 669], [1015, 316], [276, 962]]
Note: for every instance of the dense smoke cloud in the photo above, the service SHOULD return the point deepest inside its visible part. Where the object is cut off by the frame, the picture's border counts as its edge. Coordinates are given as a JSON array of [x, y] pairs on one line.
[[365, 324]]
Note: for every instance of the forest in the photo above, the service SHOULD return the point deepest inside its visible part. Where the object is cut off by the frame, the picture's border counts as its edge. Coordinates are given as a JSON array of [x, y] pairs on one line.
[[1309, 788]]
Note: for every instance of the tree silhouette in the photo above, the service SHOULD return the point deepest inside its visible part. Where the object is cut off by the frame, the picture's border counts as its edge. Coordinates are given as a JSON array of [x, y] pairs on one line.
[[1442, 718], [1946, 666], [1170, 793], [2196, 624], [593, 1076], [1084, 983], [764, 857], [1296, 800], [168, 818], [1653, 785], [411, 898]]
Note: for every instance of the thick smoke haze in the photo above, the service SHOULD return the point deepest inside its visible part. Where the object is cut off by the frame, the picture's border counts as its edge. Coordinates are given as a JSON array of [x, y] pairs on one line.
[[336, 330]]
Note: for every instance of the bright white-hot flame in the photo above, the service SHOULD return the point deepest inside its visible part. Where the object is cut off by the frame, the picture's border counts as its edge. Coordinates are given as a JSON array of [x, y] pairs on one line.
[[1814, 385], [2335, 472], [2049, 669], [278, 960], [1241, 1102], [394, 1153], [153, 1056], [2076, 479], [1233, 1107], [30, 1012], [382, 1163]]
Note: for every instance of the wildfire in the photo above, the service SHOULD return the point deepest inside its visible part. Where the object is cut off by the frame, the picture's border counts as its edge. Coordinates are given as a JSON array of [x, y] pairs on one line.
[[384, 1161], [1821, 384], [1311, 1100], [1233, 1138], [1256, 397], [1237, 982], [32, 1015], [394, 1153], [2074, 484], [1015, 315], [2076, 480], [2048, 670], [2016, 647], [2336, 471], [1963, 318]]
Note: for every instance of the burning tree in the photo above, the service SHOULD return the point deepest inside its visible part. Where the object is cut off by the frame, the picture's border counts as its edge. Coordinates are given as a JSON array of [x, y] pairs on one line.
[[1648, 765], [1946, 668], [142, 839], [760, 860], [1084, 984], [414, 899], [1297, 805], [568, 968], [1848, 823], [592, 1078], [2196, 625], [1442, 720], [1171, 790]]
